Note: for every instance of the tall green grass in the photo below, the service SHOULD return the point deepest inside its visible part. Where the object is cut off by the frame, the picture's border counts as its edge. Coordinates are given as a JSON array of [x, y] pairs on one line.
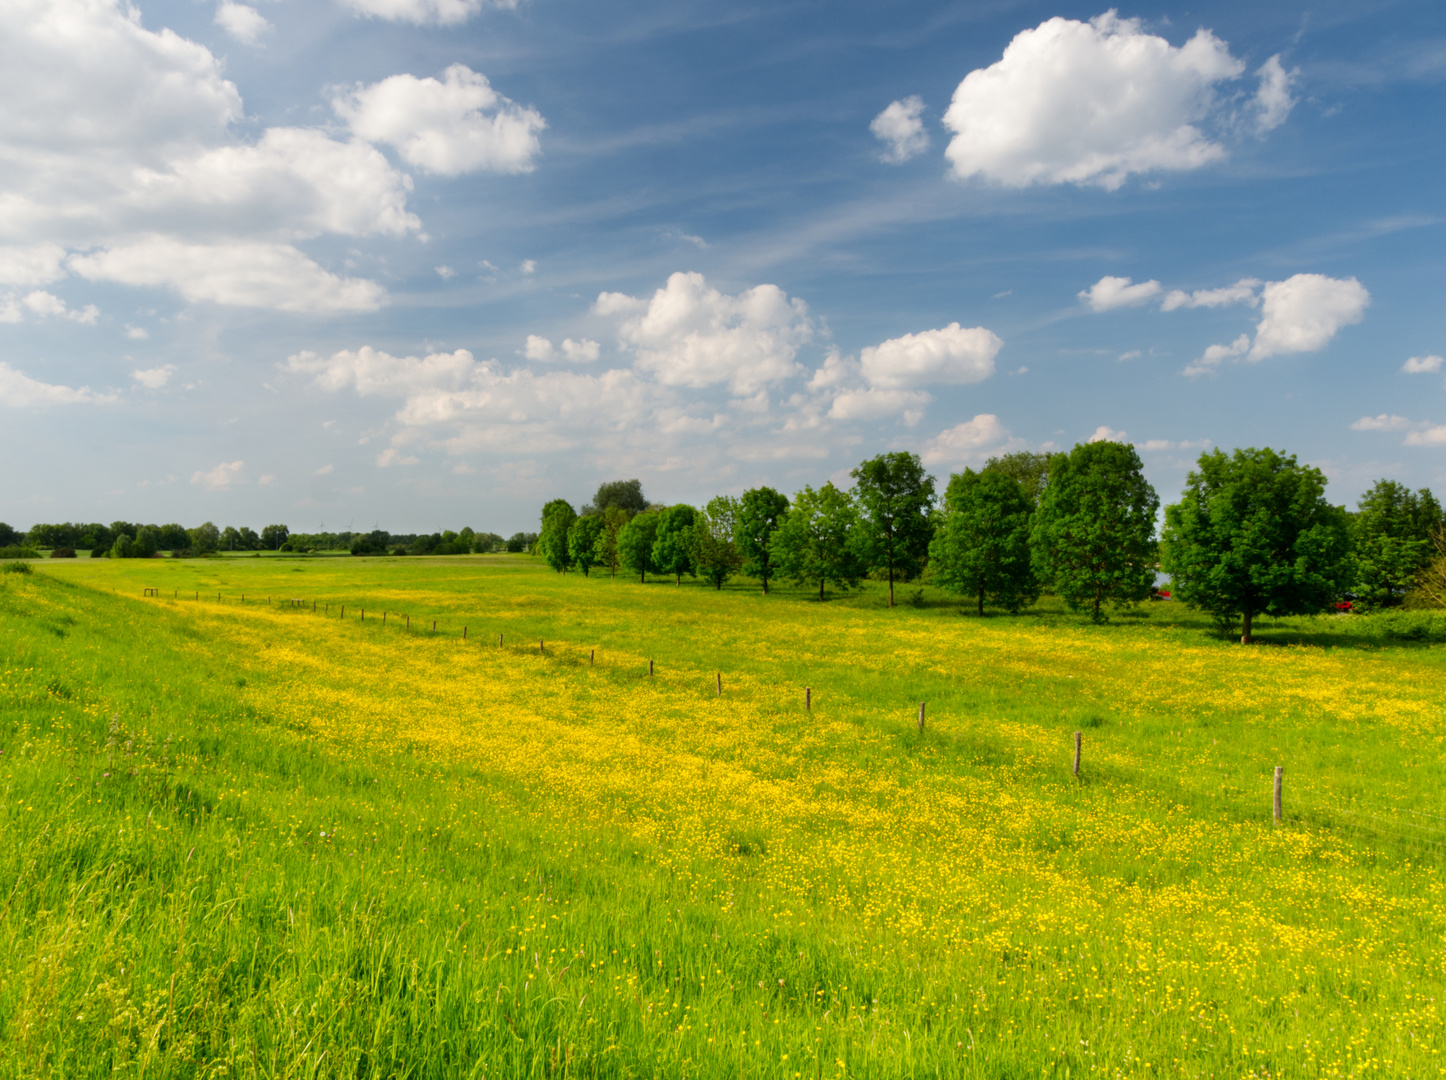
[[197, 882]]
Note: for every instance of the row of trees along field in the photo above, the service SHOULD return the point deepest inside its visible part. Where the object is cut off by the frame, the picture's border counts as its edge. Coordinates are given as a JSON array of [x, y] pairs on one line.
[[1252, 534], [127, 540]]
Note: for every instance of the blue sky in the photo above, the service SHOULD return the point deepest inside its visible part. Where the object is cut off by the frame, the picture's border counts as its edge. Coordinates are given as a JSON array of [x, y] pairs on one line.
[[428, 263]]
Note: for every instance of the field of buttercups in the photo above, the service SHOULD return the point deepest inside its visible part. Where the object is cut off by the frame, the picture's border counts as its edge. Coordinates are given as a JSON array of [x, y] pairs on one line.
[[265, 840]]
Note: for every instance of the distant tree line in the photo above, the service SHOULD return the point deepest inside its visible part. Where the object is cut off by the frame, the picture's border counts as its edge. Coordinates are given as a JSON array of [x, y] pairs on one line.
[[1253, 534], [128, 540]]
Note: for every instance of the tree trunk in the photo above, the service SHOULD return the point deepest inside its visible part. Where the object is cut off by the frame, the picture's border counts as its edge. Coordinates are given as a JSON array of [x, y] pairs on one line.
[[1096, 614], [720, 584], [981, 599], [1247, 619], [765, 580], [891, 583], [820, 589]]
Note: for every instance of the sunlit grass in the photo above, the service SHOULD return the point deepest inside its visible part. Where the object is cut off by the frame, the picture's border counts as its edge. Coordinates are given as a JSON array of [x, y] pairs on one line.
[[257, 839]]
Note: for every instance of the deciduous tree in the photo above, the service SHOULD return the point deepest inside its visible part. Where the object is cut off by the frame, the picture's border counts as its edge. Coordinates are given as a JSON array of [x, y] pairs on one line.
[[621, 494], [715, 554], [557, 519], [635, 543], [816, 539], [982, 546], [1392, 533], [895, 496], [1031, 469], [673, 544], [606, 551], [1093, 536], [1253, 534], [582, 542], [760, 510]]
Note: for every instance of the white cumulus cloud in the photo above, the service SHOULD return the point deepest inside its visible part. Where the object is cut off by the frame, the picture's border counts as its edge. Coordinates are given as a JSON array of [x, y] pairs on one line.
[[952, 356], [901, 128], [48, 305], [874, 404], [1383, 422], [119, 145], [971, 443], [373, 373], [1215, 355], [576, 352], [424, 12], [37, 264], [239, 274], [453, 126], [1418, 365], [1088, 103], [1303, 313], [691, 334], [1430, 436], [1109, 293], [1242, 292], [1300, 314], [242, 22], [1108, 434], [220, 478], [19, 390], [154, 378], [1273, 99]]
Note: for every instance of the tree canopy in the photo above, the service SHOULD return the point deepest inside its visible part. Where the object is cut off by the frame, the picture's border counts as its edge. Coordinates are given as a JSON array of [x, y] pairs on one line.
[[673, 542], [618, 494], [557, 518], [816, 540], [982, 546], [1253, 534], [582, 542], [635, 543], [760, 510], [715, 555], [1029, 468], [895, 496], [1092, 538], [1392, 543]]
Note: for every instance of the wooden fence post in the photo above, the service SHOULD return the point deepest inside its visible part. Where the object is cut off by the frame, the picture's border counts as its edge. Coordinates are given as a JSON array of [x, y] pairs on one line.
[[384, 618], [434, 626], [720, 684], [650, 669], [592, 656], [343, 611], [540, 649], [808, 699], [921, 718], [1279, 773], [464, 633], [1076, 754], [499, 641]]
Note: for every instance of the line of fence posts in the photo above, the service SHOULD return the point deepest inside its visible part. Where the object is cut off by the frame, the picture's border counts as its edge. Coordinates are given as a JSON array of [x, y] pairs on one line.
[[1277, 787]]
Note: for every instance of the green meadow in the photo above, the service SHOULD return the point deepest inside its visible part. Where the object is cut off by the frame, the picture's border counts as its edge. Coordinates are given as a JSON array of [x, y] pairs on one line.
[[278, 838]]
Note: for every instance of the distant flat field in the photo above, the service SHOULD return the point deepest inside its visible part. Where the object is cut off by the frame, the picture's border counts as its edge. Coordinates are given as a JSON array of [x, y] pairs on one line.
[[275, 837]]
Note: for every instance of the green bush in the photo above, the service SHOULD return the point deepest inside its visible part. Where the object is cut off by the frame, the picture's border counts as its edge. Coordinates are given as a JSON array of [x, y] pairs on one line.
[[18, 568], [16, 551], [62, 553]]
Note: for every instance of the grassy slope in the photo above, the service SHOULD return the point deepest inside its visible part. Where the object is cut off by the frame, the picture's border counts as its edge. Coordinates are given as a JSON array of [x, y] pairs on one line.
[[369, 852]]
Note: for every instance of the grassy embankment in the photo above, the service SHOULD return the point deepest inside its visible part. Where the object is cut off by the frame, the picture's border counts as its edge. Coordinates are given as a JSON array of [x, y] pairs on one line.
[[258, 840]]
